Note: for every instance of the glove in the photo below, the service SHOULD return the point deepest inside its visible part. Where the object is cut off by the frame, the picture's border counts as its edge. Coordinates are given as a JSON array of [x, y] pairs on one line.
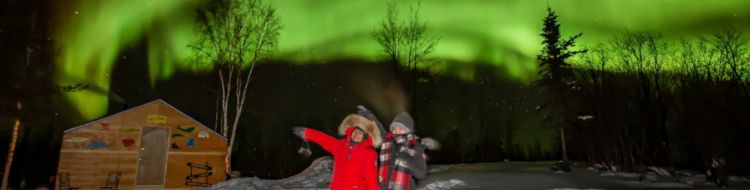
[[364, 112], [299, 131], [361, 109], [430, 143], [304, 151]]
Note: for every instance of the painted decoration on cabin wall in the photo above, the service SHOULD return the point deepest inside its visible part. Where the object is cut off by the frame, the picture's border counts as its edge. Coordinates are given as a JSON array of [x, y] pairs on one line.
[[128, 129], [97, 144], [76, 142], [203, 135], [199, 173], [156, 119], [187, 130], [174, 141], [77, 139], [128, 142], [188, 137], [96, 138], [190, 142], [175, 145], [105, 126], [184, 137]]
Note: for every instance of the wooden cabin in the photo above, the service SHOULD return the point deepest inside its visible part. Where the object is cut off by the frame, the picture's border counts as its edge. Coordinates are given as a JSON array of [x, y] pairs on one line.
[[152, 146]]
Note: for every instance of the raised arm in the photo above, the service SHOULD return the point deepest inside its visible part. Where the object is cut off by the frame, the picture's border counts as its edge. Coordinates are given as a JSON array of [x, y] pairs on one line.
[[327, 142]]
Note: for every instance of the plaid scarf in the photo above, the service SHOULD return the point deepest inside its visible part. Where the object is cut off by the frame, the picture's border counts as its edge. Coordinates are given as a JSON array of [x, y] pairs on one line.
[[395, 152]]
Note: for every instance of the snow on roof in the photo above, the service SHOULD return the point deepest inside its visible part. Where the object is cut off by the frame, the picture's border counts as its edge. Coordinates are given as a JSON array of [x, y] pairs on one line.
[[139, 106]]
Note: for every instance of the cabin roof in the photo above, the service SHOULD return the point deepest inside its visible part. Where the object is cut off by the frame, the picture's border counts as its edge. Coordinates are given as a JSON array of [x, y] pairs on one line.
[[136, 107]]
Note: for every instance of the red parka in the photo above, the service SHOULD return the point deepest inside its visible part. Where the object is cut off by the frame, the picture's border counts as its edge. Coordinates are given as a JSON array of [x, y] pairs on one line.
[[354, 167]]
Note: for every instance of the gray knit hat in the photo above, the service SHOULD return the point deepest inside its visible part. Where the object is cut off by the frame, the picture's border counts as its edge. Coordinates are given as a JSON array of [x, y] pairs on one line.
[[403, 120]]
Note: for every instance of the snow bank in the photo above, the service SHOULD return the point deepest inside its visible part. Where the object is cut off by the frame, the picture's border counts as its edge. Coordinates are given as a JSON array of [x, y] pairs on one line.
[[737, 179], [663, 184], [315, 177], [441, 185], [697, 180], [439, 168], [621, 174], [659, 170], [254, 183]]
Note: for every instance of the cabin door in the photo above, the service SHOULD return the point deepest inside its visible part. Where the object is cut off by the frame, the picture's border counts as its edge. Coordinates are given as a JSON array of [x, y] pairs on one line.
[[152, 157]]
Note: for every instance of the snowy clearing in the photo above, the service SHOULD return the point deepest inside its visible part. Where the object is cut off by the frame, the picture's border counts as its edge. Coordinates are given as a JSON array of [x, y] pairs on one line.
[[504, 175], [441, 185]]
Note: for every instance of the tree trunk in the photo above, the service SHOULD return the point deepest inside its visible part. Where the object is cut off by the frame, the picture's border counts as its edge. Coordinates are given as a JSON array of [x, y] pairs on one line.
[[11, 150], [226, 87], [216, 115], [509, 129], [240, 95], [564, 147]]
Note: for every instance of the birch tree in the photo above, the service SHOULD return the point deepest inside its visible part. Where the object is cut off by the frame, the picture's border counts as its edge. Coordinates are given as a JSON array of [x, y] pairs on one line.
[[233, 35], [404, 41]]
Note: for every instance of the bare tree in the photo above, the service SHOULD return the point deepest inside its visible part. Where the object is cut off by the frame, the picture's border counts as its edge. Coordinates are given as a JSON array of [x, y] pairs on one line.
[[28, 81], [11, 148], [732, 50], [642, 55], [404, 42], [232, 36], [22, 85], [648, 112], [389, 35], [593, 78]]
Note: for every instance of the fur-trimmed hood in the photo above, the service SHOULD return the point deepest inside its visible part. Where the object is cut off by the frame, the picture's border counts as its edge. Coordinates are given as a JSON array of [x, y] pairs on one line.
[[370, 127]]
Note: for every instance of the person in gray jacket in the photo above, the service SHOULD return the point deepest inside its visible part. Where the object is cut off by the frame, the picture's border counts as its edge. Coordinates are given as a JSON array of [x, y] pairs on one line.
[[402, 156]]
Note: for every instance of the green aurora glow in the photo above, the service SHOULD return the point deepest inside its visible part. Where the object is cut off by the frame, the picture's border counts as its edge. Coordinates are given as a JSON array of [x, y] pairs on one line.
[[504, 33]]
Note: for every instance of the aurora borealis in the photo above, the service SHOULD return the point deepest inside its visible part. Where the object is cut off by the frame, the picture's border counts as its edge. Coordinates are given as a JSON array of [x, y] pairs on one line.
[[665, 83], [503, 33]]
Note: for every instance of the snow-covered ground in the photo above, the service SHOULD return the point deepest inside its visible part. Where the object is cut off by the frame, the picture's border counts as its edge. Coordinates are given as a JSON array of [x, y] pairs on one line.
[[537, 175], [506, 175]]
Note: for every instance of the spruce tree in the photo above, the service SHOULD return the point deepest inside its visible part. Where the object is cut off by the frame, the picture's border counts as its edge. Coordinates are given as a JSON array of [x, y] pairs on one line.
[[556, 75]]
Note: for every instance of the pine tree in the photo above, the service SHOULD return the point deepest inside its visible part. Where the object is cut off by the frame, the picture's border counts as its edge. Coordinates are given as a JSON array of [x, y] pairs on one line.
[[556, 74]]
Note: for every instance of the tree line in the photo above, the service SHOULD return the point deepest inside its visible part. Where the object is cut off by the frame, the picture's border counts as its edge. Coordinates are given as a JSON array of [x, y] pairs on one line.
[[638, 99]]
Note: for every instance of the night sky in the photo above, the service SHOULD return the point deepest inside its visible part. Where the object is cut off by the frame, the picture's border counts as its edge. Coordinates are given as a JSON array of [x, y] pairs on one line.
[[502, 33], [479, 92]]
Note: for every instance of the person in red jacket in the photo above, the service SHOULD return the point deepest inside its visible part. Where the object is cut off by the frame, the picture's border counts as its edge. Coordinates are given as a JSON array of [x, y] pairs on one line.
[[354, 157]]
